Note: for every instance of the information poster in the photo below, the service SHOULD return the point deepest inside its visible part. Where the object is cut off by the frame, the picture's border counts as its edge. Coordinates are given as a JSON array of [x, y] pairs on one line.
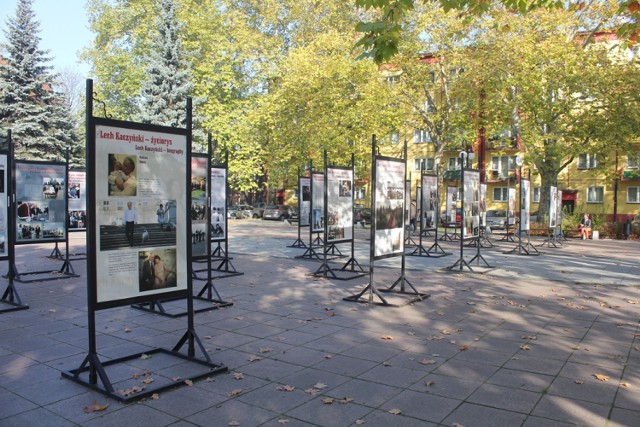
[[429, 200], [305, 201], [317, 202], [77, 200], [559, 209], [471, 206], [199, 207], [339, 204], [4, 213], [218, 199], [452, 204], [389, 200], [511, 206], [525, 204], [41, 202], [137, 172], [553, 206], [483, 205]]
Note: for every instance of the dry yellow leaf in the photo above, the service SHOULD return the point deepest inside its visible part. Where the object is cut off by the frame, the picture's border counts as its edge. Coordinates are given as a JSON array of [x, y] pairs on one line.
[[395, 411], [238, 375], [95, 407], [359, 422], [463, 347], [148, 380], [525, 347], [386, 337], [234, 423], [135, 376], [327, 400], [234, 392], [601, 377], [254, 358], [189, 383], [387, 363], [625, 385], [427, 362], [265, 350], [346, 400], [429, 383], [283, 421], [320, 386], [155, 396], [285, 388], [579, 382]]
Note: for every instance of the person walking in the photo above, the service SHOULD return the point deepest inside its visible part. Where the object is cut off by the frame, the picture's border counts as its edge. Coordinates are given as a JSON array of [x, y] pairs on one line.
[[130, 218]]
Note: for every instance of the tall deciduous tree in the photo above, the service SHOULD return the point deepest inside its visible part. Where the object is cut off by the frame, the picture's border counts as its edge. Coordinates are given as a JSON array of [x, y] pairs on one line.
[[40, 122], [568, 93]]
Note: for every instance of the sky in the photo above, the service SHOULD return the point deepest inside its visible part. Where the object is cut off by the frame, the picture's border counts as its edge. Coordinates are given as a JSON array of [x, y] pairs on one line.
[[64, 30]]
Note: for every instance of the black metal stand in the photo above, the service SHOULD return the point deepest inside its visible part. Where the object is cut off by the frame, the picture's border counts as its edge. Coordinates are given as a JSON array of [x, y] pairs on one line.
[[524, 249], [298, 243], [552, 239], [55, 253], [508, 237]]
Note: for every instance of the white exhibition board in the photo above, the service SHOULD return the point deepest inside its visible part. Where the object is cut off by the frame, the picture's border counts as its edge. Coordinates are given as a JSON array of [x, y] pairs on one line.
[[154, 173]]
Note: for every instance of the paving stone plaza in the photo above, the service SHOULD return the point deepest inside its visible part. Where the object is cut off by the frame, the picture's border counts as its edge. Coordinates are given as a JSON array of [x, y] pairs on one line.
[[549, 340]]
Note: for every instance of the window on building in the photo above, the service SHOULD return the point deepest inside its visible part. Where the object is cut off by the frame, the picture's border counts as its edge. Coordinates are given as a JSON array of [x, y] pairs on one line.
[[426, 163], [535, 196], [454, 163], [421, 136], [501, 165], [633, 161], [360, 193], [633, 195], [587, 161], [392, 138], [595, 194], [500, 194], [392, 80]]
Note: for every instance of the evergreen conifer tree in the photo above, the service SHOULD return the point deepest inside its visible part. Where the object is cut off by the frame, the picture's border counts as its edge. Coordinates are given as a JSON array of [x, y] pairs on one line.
[[41, 126], [168, 80]]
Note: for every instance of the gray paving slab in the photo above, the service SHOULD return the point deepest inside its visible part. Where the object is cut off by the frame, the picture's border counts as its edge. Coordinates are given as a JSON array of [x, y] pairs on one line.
[[518, 345]]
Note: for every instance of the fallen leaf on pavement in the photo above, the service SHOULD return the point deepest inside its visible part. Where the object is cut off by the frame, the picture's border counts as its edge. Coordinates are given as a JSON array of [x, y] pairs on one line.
[[463, 347], [427, 362], [148, 380], [386, 337], [95, 407], [254, 358], [525, 347], [625, 385], [155, 396], [601, 377], [387, 363], [189, 383], [320, 386], [327, 400], [238, 375], [265, 350], [346, 400], [579, 382], [395, 411], [234, 392], [359, 422], [285, 388], [234, 423], [283, 421]]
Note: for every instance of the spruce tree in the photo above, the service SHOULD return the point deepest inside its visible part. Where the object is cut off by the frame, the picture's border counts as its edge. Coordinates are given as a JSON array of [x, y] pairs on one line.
[[41, 127], [168, 80]]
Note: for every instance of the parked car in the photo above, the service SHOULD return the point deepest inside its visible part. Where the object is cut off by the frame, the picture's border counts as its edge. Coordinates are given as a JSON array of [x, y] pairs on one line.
[[239, 212], [279, 212], [361, 215], [496, 219], [258, 209]]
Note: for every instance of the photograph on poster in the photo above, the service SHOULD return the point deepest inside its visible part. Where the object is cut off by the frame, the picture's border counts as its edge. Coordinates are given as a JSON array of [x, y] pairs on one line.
[[339, 204], [525, 205], [199, 206], [471, 204], [122, 175], [77, 200], [317, 202], [157, 269], [389, 206], [429, 192], [553, 205], [3, 205], [151, 224], [218, 202], [41, 202], [305, 201], [511, 207], [452, 204], [559, 208], [483, 205]]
